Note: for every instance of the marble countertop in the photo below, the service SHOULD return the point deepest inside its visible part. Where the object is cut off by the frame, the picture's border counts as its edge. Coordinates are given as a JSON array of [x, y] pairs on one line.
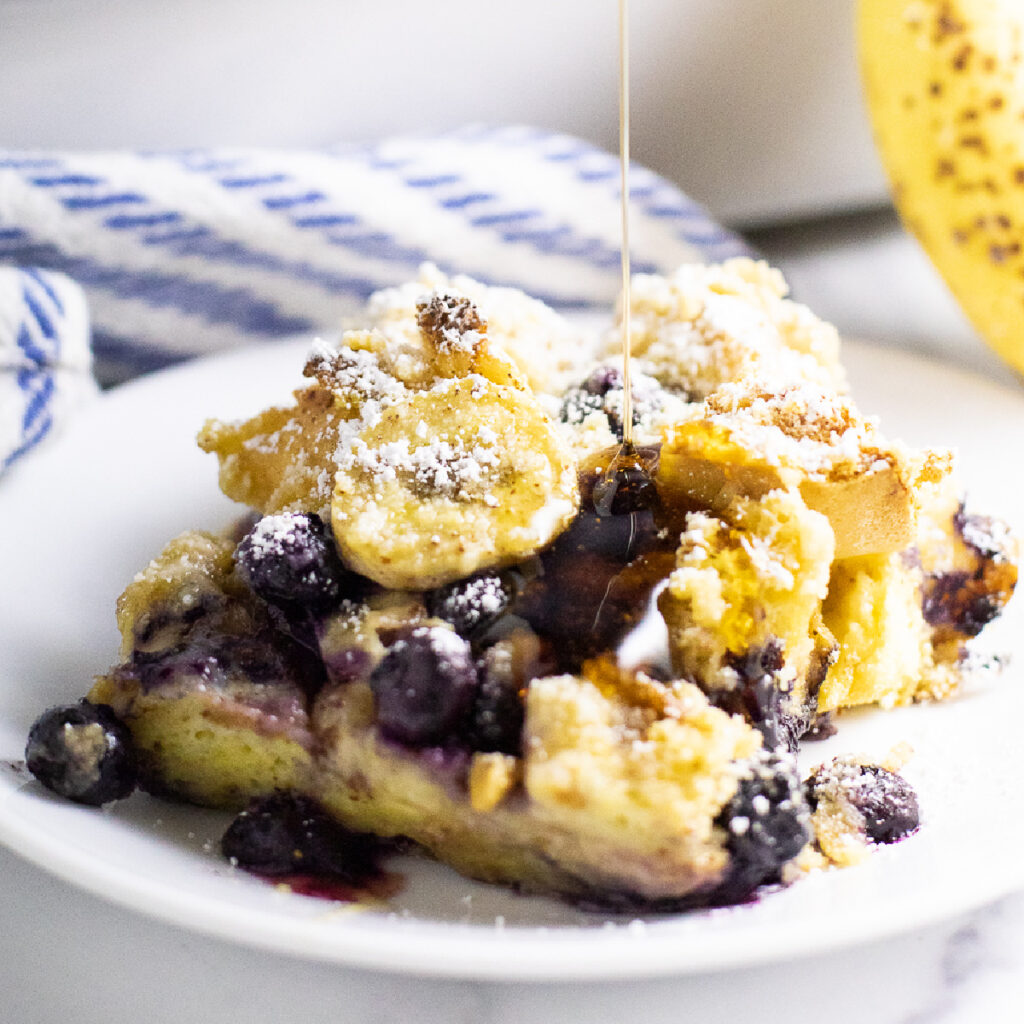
[[66, 955]]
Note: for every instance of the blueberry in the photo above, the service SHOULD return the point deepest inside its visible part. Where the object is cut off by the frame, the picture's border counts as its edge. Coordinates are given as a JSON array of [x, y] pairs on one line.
[[472, 604], [286, 833], [985, 536], [290, 559], [603, 391], [424, 686], [822, 726], [626, 486], [602, 380], [496, 720], [167, 624], [222, 660], [757, 696], [767, 822], [886, 801], [82, 752], [959, 599]]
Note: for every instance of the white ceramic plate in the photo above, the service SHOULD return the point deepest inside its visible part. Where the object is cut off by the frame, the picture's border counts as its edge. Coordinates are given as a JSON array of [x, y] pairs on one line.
[[79, 518]]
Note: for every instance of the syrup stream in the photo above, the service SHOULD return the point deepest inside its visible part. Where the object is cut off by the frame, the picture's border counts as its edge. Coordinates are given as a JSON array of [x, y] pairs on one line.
[[627, 468], [627, 386]]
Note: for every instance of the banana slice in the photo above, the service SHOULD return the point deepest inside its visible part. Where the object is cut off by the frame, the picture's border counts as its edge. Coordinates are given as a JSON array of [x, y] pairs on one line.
[[464, 476]]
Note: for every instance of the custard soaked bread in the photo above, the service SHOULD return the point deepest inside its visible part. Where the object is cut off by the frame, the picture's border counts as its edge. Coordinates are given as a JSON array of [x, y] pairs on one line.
[[214, 697], [749, 438], [460, 614], [743, 609], [610, 786]]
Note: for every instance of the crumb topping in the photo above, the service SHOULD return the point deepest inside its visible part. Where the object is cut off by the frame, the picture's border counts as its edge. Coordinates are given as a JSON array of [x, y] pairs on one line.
[[704, 325], [352, 373], [544, 346], [803, 424], [451, 322]]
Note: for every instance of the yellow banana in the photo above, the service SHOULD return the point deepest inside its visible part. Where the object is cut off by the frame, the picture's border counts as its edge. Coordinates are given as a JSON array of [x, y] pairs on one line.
[[944, 81], [463, 476]]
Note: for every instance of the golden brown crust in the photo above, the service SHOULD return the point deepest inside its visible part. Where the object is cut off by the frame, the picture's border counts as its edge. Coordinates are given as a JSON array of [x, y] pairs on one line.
[[283, 458], [750, 439]]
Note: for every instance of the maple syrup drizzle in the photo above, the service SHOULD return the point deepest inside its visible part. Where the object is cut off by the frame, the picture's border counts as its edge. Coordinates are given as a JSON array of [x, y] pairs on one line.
[[630, 471], [627, 386]]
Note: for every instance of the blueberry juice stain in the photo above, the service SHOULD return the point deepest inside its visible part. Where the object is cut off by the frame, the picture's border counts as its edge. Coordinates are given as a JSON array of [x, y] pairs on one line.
[[376, 887], [289, 840]]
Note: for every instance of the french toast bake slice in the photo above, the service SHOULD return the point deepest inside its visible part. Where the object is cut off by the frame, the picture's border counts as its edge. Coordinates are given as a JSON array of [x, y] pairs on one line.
[[611, 786], [460, 614]]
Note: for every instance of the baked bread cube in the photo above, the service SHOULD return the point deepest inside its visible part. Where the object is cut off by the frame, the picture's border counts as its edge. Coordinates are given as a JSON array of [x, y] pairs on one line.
[[743, 610], [749, 439]]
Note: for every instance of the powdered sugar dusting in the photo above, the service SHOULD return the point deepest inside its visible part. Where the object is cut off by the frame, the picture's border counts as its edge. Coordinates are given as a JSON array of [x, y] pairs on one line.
[[272, 535], [449, 648], [451, 322], [356, 373], [474, 601], [445, 468], [804, 425]]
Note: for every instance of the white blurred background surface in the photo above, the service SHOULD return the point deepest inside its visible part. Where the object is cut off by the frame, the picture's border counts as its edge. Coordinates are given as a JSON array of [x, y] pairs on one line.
[[752, 106]]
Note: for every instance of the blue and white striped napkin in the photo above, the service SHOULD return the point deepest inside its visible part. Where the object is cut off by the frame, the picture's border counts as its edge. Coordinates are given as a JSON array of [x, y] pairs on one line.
[[44, 356], [190, 252]]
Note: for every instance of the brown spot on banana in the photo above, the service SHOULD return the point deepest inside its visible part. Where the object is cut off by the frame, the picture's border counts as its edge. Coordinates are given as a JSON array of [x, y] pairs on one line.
[[944, 81]]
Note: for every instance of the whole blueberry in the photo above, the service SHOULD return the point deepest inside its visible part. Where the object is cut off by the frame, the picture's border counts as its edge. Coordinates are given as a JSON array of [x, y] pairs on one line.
[[602, 380], [603, 391], [496, 720], [884, 799], [592, 396], [290, 559], [959, 599], [424, 686], [767, 822], [286, 833], [472, 604], [82, 752], [626, 487]]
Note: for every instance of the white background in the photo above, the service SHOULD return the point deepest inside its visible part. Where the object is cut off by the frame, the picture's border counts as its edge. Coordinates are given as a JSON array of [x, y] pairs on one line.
[[752, 106]]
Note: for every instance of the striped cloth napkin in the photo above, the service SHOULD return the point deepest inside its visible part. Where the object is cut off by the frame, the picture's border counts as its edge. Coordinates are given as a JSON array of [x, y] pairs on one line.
[[190, 252]]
